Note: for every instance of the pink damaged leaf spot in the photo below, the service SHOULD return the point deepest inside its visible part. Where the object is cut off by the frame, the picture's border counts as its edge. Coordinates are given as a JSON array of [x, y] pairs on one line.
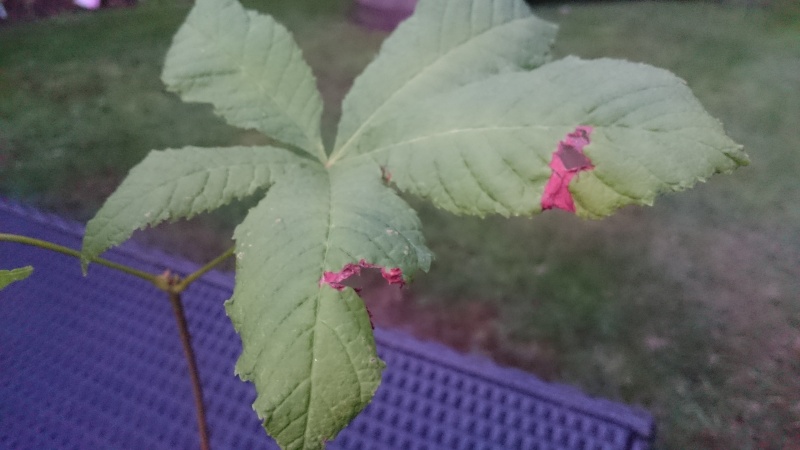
[[567, 161], [393, 276], [336, 279], [386, 175]]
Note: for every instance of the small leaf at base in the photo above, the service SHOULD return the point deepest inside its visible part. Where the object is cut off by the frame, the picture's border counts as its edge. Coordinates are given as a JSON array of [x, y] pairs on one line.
[[10, 276]]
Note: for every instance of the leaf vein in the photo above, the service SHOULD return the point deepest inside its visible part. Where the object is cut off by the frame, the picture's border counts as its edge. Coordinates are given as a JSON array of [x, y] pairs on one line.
[[423, 70]]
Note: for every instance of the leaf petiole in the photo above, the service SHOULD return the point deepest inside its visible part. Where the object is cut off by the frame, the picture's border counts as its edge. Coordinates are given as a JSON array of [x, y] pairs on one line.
[[74, 253], [184, 283], [162, 281]]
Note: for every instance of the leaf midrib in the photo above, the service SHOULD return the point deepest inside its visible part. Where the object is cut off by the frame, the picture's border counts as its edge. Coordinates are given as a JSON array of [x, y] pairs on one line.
[[354, 137], [455, 131], [317, 300], [235, 61]]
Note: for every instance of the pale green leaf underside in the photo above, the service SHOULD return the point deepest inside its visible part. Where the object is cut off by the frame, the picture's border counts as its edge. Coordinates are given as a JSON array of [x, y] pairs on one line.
[[251, 70], [10, 276], [444, 45], [175, 184], [307, 347], [485, 148]]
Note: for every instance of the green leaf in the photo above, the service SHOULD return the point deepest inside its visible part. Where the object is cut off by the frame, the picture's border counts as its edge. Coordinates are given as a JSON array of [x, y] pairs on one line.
[[251, 70], [485, 148], [444, 45], [308, 347], [10, 276], [174, 184], [461, 107]]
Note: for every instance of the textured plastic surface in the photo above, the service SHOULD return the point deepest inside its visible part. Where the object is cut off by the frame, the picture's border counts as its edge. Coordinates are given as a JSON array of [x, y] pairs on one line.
[[95, 363]]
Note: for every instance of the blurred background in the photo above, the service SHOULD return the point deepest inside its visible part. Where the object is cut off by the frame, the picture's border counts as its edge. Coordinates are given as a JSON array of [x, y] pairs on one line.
[[690, 308]]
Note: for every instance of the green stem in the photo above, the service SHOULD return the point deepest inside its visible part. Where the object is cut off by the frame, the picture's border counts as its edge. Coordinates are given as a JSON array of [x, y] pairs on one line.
[[183, 284], [68, 251]]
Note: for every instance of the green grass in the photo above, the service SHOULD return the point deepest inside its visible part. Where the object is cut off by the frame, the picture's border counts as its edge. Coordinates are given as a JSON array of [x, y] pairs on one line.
[[81, 96], [689, 308]]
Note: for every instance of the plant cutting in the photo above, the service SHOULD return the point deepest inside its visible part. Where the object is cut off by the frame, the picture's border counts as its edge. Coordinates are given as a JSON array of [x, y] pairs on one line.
[[463, 106]]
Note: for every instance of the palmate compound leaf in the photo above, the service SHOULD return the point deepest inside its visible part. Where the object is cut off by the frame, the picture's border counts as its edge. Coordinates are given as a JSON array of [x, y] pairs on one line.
[[10, 276], [444, 45], [450, 112], [307, 346], [485, 148], [249, 67]]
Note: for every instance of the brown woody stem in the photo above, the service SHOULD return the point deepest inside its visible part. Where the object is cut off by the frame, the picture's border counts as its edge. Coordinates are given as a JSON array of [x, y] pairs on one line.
[[188, 351], [173, 286]]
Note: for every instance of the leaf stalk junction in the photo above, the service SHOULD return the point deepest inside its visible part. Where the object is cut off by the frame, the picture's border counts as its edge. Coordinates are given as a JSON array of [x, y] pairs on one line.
[[173, 285]]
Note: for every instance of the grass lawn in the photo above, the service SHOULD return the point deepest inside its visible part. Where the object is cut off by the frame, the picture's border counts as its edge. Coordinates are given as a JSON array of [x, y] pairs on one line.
[[690, 308]]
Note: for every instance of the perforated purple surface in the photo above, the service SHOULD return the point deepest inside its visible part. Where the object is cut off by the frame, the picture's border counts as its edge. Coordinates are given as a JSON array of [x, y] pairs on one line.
[[95, 363]]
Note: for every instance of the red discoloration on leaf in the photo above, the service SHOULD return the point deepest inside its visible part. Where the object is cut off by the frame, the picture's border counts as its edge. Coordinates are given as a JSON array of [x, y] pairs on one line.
[[369, 314], [387, 176], [336, 279], [393, 276], [567, 161]]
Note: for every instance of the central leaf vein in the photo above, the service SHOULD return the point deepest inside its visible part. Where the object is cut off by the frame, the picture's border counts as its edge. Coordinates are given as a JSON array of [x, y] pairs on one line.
[[441, 59]]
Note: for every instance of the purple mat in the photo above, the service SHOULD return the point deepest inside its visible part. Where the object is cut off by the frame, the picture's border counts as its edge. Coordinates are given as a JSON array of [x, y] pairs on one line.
[[96, 363]]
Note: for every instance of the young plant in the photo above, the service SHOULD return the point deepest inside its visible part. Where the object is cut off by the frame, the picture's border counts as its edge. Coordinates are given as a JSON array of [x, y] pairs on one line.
[[463, 106]]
